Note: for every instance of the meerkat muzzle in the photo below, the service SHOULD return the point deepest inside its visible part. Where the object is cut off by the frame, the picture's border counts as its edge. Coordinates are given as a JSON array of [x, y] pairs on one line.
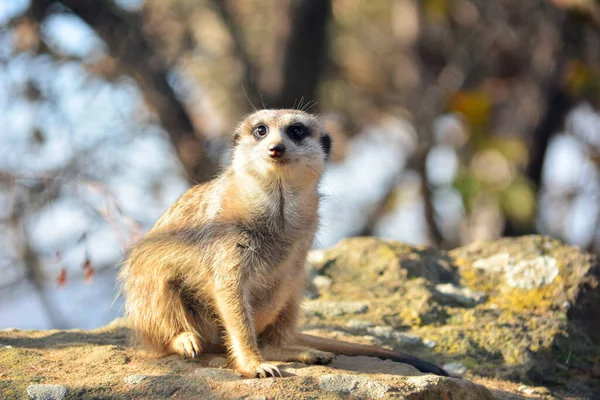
[[276, 151]]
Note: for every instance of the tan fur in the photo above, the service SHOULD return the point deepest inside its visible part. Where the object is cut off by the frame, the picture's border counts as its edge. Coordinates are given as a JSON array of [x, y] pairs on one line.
[[223, 268]]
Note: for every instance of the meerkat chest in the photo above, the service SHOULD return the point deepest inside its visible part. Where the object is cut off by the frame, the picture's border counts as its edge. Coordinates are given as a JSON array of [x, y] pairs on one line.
[[269, 237]]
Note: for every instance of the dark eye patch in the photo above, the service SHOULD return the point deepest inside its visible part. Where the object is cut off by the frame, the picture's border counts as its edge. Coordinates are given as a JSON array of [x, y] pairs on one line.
[[326, 145], [297, 132]]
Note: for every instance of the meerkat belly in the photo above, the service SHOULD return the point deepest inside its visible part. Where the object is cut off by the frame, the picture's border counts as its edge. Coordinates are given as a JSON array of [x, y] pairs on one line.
[[274, 259], [267, 305], [270, 296]]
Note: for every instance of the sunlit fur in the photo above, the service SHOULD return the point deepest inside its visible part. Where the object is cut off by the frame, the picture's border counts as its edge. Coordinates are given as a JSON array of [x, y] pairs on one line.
[[226, 261], [223, 268]]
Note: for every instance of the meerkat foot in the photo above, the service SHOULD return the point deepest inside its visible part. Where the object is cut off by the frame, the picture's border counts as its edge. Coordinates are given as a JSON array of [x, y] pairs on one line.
[[185, 344], [312, 356], [265, 370], [304, 355], [261, 370]]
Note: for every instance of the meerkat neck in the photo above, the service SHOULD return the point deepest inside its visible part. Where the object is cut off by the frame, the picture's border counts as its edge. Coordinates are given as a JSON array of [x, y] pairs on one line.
[[248, 195], [257, 187]]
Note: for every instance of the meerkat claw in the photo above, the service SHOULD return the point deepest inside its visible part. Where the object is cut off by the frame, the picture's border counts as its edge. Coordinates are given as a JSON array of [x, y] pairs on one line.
[[267, 370], [186, 345], [323, 359]]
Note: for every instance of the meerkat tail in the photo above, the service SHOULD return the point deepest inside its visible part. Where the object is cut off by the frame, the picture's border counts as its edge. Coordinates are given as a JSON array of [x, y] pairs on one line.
[[353, 349]]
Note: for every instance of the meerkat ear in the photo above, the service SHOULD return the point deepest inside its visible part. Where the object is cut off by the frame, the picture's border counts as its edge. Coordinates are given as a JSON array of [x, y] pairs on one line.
[[236, 138], [326, 145]]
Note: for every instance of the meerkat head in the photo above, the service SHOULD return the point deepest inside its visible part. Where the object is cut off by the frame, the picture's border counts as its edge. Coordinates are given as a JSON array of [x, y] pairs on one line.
[[281, 144]]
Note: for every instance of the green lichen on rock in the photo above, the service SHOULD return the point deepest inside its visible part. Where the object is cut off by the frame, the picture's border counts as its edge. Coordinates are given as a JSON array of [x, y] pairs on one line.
[[531, 273], [387, 274], [529, 321], [553, 288]]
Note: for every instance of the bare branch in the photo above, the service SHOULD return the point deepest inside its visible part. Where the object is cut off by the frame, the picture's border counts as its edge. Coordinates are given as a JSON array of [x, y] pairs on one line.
[[250, 86], [305, 53], [128, 43]]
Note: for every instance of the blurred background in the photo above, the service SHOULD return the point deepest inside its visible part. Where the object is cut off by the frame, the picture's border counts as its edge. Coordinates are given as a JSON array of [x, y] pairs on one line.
[[452, 120]]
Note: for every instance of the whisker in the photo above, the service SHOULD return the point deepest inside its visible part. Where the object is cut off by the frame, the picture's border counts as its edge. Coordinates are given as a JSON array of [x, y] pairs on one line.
[[261, 99], [308, 107], [248, 98]]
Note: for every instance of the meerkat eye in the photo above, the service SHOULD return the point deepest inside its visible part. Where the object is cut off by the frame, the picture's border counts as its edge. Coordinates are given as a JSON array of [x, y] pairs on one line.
[[260, 131], [297, 131]]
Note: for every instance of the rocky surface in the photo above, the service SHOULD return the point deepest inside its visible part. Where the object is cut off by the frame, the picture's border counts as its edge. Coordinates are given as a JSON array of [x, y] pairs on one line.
[[47, 392], [521, 310], [514, 317]]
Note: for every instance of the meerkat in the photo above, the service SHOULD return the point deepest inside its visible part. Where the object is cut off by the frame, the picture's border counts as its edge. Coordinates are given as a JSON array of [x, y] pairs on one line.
[[222, 270]]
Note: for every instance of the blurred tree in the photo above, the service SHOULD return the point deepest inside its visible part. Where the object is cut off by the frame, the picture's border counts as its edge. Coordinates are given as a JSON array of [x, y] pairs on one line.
[[138, 56], [487, 86]]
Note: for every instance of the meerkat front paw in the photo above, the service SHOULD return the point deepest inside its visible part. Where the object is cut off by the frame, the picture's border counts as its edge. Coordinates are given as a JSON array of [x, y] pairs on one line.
[[185, 344], [262, 370], [265, 370]]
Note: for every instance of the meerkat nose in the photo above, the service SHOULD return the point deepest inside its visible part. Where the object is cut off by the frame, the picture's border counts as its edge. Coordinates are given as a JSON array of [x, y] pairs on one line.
[[276, 150]]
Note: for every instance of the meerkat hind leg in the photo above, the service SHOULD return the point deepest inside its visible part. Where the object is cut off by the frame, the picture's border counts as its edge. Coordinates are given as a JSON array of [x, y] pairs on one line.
[[186, 344], [301, 354], [277, 340]]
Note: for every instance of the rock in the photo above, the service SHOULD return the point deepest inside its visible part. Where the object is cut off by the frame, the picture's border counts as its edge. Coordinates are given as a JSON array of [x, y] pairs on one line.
[[402, 338], [383, 260], [413, 387], [496, 263], [455, 369], [449, 293], [217, 373], [530, 273], [65, 354], [47, 392], [259, 384], [334, 308], [358, 324], [533, 390], [432, 387], [536, 272], [375, 270], [316, 257], [373, 365], [134, 379], [515, 308], [387, 332], [356, 385], [218, 362], [518, 314], [322, 283]]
